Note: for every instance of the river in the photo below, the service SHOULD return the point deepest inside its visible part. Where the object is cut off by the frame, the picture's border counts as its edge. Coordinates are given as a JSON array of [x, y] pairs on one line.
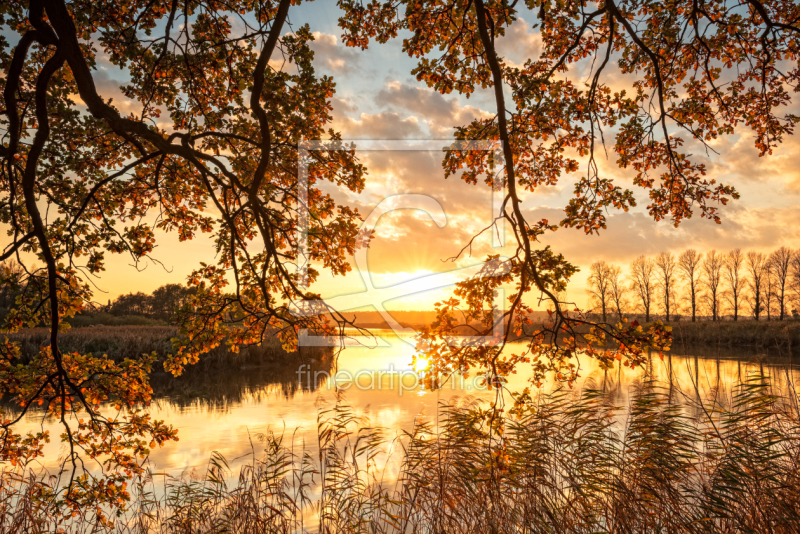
[[226, 412]]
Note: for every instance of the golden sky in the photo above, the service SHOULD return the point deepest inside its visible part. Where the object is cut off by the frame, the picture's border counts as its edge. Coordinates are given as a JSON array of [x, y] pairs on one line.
[[377, 98]]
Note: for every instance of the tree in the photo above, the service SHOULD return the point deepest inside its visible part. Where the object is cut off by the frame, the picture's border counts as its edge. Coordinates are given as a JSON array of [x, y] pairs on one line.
[[642, 283], [732, 271], [166, 301], [756, 265], [599, 286], [233, 130], [795, 280], [79, 179], [132, 304], [618, 290], [666, 273], [711, 268], [689, 267], [770, 287], [780, 262]]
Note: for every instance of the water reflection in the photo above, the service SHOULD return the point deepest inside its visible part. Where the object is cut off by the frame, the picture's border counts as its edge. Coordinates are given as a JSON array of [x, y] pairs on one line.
[[219, 388], [224, 410]]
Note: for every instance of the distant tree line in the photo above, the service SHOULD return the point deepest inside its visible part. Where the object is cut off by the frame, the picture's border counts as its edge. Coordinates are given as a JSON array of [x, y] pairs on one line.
[[710, 285], [160, 305], [693, 284]]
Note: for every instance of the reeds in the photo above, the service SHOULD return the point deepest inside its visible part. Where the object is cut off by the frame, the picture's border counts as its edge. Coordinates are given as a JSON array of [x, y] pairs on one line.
[[220, 378], [120, 342], [781, 335], [570, 464]]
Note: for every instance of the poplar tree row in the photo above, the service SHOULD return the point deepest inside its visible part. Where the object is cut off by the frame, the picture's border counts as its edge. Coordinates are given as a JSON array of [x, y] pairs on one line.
[[711, 285]]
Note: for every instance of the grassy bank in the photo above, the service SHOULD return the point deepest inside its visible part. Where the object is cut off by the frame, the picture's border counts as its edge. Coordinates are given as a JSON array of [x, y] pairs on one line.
[[778, 335], [217, 380], [120, 342], [567, 466]]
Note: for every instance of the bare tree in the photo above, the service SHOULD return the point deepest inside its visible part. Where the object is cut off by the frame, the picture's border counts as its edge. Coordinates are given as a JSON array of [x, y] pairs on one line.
[[619, 293], [732, 272], [795, 279], [666, 268], [781, 261], [712, 280], [689, 267], [642, 283], [770, 286], [756, 265], [599, 286]]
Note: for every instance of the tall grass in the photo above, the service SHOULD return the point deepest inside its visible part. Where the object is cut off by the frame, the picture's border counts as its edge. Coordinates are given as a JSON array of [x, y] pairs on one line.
[[120, 342], [781, 335], [220, 378], [570, 464]]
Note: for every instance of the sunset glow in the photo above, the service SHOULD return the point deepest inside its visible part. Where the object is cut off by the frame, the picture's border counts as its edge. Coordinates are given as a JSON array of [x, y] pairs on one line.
[[398, 266]]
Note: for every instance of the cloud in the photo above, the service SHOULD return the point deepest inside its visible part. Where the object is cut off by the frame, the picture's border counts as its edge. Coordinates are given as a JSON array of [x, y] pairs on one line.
[[420, 172], [341, 106], [384, 125], [408, 241], [740, 159], [333, 55], [520, 43], [383, 105], [633, 234], [442, 114]]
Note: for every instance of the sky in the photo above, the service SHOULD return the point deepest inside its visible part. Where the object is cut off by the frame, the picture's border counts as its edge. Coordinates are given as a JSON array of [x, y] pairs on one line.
[[377, 98]]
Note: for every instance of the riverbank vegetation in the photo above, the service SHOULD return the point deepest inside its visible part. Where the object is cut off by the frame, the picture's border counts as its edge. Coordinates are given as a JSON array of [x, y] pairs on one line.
[[775, 335], [133, 342], [676, 463], [219, 380], [688, 337], [209, 134]]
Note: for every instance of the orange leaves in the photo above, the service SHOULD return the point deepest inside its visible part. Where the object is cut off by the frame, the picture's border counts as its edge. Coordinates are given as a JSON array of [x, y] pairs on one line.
[[551, 119], [103, 173]]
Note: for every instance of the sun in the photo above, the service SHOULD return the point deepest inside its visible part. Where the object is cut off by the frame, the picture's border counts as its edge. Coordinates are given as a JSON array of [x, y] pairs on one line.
[[420, 363]]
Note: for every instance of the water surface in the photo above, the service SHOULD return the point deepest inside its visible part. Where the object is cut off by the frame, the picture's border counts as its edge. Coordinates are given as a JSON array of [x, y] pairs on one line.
[[225, 411]]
